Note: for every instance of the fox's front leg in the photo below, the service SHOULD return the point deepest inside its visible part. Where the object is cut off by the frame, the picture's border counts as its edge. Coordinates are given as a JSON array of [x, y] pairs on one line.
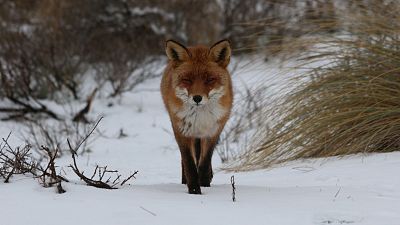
[[190, 171], [205, 167], [183, 173], [190, 174]]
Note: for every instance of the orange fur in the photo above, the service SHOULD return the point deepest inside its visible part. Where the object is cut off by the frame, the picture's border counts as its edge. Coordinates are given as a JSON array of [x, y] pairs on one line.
[[197, 71]]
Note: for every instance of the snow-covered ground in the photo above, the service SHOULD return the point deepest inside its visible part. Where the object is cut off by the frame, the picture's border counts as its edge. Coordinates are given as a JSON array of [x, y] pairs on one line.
[[354, 190]]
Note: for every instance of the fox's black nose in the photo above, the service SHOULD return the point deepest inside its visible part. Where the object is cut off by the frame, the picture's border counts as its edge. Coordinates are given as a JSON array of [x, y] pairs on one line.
[[197, 98]]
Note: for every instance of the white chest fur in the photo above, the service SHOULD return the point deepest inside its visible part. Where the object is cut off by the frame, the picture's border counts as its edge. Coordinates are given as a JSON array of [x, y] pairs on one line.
[[200, 120]]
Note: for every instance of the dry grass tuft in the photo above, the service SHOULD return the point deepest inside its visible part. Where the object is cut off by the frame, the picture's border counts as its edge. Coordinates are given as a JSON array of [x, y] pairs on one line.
[[348, 104]]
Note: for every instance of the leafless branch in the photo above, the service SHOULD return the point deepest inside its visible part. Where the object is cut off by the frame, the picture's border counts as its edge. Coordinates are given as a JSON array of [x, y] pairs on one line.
[[101, 172], [49, 176], [80, 116]]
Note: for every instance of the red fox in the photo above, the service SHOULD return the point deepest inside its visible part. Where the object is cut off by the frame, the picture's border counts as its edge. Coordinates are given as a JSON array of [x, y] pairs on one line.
[[197, 92]]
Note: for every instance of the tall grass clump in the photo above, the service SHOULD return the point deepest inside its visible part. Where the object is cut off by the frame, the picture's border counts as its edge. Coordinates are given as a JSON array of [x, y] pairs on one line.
[[349, 103]]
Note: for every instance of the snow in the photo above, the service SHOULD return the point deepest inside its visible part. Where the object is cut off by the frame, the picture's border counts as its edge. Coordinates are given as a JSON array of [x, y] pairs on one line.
[[360, 189]]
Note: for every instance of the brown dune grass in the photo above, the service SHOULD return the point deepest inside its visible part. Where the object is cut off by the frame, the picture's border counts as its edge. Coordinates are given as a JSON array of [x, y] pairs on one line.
[[349, 104]]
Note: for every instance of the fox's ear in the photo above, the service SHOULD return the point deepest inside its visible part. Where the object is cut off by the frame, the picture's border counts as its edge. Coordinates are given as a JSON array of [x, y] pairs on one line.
[[220, 52], [176, 51]]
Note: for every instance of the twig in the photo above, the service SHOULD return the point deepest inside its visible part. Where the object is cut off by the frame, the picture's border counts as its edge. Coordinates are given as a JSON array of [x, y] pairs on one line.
[[233, 188], [148, 211], [128, 178], [337, 193], [74, 150]]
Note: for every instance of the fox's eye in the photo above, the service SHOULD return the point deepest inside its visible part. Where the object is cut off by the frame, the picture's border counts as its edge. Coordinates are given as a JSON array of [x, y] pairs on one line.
[[210, 80], [186, 81]]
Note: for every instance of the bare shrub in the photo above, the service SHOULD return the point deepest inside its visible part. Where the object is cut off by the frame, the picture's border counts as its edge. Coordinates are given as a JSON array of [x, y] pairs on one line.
[[111, 181], [53, 135], [15, 160], [124, 76], [36, 62], [102, 177], [18, 160], [48, 47]]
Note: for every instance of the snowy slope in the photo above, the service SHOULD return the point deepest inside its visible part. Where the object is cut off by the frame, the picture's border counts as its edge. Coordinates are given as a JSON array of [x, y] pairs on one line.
[[353, 190]]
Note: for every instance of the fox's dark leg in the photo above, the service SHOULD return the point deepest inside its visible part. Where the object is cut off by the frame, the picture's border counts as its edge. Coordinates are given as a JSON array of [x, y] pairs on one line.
[[197, 149], [183, 173], [190, 171], [205, 167], [189, 165]]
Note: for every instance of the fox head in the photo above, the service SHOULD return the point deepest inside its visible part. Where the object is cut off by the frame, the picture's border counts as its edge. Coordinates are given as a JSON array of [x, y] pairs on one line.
[[200, 76]]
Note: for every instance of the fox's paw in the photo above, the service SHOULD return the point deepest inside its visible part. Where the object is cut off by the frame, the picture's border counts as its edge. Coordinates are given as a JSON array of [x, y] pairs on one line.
[[194, 189]]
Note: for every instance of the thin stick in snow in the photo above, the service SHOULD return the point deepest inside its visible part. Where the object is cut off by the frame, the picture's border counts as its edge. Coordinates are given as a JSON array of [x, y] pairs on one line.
[[148, 211], [233, 188], [337, 193]]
